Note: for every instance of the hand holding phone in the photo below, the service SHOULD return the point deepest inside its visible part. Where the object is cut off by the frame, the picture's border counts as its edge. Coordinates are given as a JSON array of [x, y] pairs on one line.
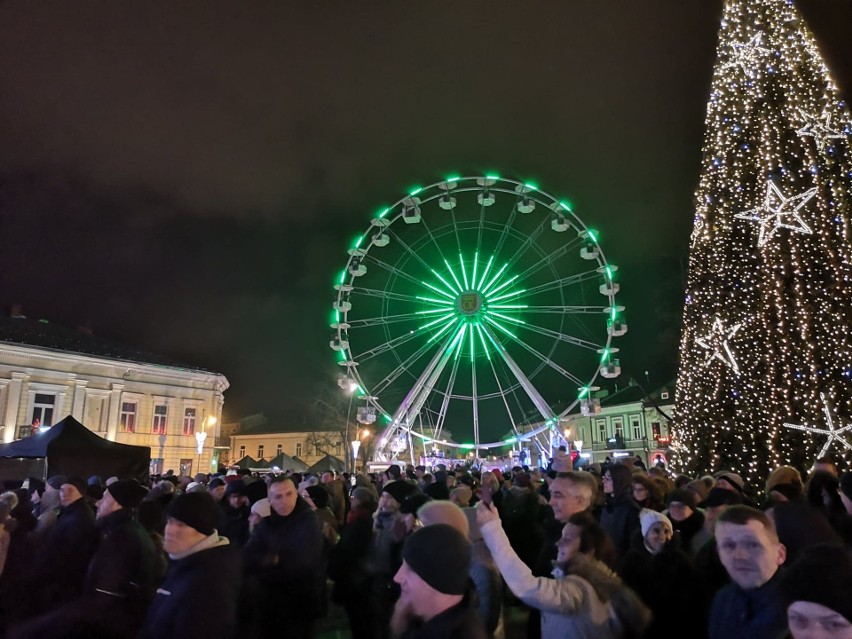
[[485, 495]]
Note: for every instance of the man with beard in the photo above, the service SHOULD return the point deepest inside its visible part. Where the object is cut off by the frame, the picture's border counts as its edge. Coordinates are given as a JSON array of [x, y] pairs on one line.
[[436, 597]]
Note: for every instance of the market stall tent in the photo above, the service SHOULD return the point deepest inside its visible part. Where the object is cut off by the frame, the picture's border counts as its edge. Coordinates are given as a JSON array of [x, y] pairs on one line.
[[69, 448]]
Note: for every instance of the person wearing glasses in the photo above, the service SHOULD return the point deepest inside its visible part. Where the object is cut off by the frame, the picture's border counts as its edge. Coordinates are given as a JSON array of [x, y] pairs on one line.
[[620, 514]]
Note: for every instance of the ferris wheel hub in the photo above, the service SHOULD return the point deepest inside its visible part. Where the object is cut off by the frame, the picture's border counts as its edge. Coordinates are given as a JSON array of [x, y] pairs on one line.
[[469, 303]]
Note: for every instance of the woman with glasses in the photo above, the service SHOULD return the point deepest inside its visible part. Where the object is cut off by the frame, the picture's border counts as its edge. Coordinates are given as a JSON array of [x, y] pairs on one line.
[[620, 514]]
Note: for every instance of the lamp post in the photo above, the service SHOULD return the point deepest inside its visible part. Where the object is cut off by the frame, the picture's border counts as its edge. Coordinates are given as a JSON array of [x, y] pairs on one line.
[[201, 436], [356, 446]]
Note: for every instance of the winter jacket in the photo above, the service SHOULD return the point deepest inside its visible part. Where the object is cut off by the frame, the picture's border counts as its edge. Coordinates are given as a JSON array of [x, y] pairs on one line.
[[667, 583], [64, 556], [233, 523], [347, 561], [620, 520], [285, 557], [124, 571], [459, 622], [749, 614], [588, 602], [198, 599], [692, 533]]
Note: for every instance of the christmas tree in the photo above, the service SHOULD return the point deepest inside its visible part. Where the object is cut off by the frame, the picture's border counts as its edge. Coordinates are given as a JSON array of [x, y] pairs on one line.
[[766, 351]]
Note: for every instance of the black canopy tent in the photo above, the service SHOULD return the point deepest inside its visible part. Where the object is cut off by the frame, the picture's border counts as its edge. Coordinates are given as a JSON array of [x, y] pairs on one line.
[[69, 448], [329, 462]]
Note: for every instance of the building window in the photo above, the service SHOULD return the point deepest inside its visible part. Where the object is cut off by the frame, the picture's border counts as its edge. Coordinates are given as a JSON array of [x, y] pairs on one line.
[[635, 427], [279, 449], [298, 449], [189, 421], [655, 429], [158, 426], [127, 419], [618, 427], [43, 405], [260, 451], [242, 452], [185, 468], [664, 395], [601, 426], [156, 466]]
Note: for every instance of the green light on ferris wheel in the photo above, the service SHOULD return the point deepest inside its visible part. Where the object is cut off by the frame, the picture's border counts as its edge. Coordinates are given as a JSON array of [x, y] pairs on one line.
[[446, 283], [566, 205], [443, 330], [437, 321], [478, 286], [505, 284], [455, 279], [494, 279], [383, 212], [437, 290], [452, 178], [472, 353], [500, 326], [464, 272], [506, 296], [492, 176], [482, 339], [414, 191], [475, 264]]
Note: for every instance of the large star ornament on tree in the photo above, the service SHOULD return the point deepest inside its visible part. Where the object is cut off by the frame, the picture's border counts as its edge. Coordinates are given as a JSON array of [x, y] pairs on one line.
[[716, 343], [819, 128], [833, 435], [779, 212], [747, 56]]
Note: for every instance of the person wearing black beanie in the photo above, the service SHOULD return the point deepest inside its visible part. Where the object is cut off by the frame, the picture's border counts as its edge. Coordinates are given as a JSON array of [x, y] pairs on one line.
[[815, 591], [434, 586], [203, 581]]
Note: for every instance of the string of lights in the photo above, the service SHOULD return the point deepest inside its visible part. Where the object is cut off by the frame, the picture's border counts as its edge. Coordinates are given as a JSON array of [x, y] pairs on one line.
[[766, 324]]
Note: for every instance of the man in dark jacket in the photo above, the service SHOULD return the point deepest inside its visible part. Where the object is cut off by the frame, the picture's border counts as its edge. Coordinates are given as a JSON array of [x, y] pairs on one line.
[[436, 597], [284, 562], [198, 599], [121, 578], [750, 607], [234, 511], [63, 558], [347, 564]]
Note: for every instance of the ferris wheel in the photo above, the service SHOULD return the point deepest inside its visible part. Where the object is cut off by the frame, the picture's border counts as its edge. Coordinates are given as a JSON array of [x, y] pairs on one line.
[[475, 313]]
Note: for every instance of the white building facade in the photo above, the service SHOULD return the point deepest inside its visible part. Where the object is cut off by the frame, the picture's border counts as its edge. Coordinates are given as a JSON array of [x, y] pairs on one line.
[[174, 411]]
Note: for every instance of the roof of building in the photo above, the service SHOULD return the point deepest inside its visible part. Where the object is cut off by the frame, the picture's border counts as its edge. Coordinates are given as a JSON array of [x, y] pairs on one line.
[[259, 424], [44, 334]]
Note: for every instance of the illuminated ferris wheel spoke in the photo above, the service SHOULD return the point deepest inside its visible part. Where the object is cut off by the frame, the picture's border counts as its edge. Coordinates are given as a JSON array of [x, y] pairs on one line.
[[383, 320], [536, 398], [551, 310], [390, 295], [546, 261], [390, 345], [544, 359], [564, 281], [562, 337], [445, 401], [403, 366]]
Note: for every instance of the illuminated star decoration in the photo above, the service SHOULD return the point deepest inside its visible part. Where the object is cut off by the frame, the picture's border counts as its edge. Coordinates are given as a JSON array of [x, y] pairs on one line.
[[833, 435], [819, 128], [747, 56], [781, 213], [716, 343]]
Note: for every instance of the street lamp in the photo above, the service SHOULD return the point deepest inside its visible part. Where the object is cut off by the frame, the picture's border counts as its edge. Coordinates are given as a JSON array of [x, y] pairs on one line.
[[201, 435], [356, 446]]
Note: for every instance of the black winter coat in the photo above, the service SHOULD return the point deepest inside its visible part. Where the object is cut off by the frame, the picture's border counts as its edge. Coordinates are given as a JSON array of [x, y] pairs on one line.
[[285, 558], [63, 558], [620, 520], [667, 583], [198, 599]]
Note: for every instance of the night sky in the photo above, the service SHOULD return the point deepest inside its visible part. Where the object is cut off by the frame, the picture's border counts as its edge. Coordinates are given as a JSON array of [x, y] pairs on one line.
[[185, 177]]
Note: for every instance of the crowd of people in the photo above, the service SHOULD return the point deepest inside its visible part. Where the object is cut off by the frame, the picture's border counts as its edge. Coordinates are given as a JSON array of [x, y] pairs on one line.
[[609, 551]]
